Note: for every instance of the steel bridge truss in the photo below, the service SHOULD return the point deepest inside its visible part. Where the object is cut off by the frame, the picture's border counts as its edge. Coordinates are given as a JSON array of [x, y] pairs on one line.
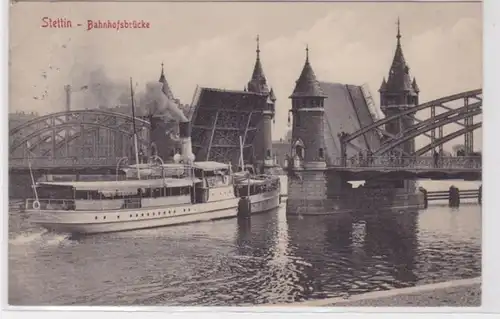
[[90, 134], [463, 115]]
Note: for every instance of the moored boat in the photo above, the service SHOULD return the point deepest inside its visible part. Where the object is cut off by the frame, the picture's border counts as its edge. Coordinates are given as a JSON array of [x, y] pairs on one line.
[[258, 193]]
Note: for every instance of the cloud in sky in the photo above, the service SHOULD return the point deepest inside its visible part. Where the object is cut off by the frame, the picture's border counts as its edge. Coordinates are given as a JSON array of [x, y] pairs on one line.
[[213, 45]]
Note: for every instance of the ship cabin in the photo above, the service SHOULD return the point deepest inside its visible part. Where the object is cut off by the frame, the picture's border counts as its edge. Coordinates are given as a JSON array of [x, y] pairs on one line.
[[259, 184], [112, 195], [217, 182], [207, 181], [148, 171]]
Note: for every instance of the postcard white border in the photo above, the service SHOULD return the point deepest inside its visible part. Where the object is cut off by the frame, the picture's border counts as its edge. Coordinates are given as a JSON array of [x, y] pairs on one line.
[[491, 219]]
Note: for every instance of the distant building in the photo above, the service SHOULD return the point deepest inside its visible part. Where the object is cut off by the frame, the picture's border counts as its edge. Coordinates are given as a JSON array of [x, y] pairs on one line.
[[281, 150]]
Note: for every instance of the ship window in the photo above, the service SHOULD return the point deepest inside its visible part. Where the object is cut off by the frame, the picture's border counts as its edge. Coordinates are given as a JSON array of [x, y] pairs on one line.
[[130, 215], [87, 195], [118, 217], [164, 213], [104, 217], [142, 215], [148, 214], [175, 191], [156, 192], [96, 217], [153, 213]]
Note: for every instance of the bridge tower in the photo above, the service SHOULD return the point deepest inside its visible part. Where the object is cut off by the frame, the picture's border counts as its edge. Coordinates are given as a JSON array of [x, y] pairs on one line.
[[308, 144], [161, 143], [399, 93], [258, 84], [312, 189]]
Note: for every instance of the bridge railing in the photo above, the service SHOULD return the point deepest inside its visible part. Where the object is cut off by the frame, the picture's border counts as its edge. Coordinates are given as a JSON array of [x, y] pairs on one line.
[[45, 162], [427, 162]]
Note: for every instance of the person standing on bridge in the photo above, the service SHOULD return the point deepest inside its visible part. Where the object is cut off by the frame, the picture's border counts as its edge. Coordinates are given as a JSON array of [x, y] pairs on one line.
[[436, 158]]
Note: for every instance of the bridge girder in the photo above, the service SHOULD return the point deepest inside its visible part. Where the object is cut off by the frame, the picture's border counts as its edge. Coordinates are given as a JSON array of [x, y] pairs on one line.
[[52, 132], [474, 94], [447, 138], [389, 146], [465, 112]]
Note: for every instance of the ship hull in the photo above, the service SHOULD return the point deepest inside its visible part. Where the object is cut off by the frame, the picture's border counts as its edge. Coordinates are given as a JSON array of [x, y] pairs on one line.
[[264, 202], [92, 222]]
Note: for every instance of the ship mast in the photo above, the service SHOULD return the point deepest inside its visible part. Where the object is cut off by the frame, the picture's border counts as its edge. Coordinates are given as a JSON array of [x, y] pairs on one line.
[[135, 131], [242, 165]]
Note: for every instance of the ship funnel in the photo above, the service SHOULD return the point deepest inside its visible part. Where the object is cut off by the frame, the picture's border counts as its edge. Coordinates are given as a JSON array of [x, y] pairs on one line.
[[185, 139]]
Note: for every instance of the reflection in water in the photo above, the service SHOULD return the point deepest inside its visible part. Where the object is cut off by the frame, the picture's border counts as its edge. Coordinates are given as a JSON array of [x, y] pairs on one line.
[[349, 253], [268, 258], [393, 239]]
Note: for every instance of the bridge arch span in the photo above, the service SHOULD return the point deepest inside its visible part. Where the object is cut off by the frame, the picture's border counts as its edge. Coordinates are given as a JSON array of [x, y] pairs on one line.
[[81, 131], [393, 144], [458, 109]]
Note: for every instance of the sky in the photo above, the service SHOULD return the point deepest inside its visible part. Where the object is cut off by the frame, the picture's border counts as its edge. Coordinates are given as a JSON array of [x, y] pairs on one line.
[[213, 45]]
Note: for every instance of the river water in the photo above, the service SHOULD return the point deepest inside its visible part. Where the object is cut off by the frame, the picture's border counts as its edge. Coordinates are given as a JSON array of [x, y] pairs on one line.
[[270, 258]]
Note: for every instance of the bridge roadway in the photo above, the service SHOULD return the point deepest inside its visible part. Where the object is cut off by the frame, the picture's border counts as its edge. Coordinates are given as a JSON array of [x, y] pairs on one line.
[[423, 167], [66, 165], [468, 168]]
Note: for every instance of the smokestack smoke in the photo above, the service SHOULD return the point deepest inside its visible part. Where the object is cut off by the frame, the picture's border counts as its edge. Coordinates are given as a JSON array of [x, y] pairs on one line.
[[185, 139], [159, 104], [95, 89]]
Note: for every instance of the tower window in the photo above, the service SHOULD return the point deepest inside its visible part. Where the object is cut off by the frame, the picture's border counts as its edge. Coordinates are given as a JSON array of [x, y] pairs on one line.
[[268, 153], [321, 153], [297, 119]]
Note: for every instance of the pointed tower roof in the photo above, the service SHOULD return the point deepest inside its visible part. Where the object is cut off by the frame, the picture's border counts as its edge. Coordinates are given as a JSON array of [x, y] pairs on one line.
[[272, 96], [383, 86], [415, 85], [258, 83], [307, 85], [399, 75], [166, 88]]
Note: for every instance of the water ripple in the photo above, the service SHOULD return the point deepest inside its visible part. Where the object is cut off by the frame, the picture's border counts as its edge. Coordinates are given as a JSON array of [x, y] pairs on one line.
[[270, 258]]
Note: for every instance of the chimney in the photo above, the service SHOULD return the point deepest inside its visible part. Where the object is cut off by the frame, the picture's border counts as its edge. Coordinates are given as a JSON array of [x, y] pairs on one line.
[[67, 88], [185, 139]]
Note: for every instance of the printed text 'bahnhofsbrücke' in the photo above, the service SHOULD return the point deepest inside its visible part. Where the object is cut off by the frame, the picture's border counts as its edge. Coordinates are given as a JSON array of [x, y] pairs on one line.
[[64, 23]]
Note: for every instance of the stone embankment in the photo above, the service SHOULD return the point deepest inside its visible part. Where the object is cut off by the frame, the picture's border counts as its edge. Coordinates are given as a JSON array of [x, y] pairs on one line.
[[456, 293]]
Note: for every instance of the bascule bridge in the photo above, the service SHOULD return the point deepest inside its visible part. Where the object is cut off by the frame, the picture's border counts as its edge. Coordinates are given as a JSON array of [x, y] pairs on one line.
[[221, 117], [337, 137]]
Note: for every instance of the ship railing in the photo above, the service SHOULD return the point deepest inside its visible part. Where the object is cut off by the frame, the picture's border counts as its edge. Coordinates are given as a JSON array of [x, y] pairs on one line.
[[69, 204], [50, 204]]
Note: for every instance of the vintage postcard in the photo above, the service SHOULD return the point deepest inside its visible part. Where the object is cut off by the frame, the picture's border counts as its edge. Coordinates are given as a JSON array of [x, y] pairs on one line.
[[245, 154]]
